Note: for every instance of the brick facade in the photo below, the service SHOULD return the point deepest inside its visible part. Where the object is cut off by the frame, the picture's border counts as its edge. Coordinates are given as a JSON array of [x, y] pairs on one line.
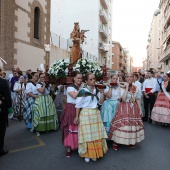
[[10, 26]]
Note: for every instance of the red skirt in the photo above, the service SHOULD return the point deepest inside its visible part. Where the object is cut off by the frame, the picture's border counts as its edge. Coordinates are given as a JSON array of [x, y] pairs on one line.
[[161, 109], [70, 130], [127, 126]]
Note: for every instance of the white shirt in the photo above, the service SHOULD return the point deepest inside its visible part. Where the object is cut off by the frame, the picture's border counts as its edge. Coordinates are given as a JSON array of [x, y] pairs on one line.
[[46, 90], [139, 85], [150, 83], [17, 86], [115, 93], [31, 88], [87, 102], [69, 98], [65, 89], [10, 77], [129, 95]]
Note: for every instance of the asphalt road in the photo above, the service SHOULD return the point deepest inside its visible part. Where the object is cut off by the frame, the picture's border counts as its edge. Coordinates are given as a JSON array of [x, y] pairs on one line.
[[28, 152]]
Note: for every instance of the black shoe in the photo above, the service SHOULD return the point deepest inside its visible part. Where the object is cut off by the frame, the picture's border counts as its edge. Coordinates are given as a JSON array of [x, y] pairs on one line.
[[150, 120], [3, 153]]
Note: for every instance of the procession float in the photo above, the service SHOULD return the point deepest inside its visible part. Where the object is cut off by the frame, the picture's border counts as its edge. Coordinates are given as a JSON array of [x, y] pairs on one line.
[[61, 71]]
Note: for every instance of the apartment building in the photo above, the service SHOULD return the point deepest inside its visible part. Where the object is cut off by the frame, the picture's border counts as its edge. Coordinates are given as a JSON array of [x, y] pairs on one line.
[[129, 61], [24, 29], [153, 52], [119, 57], [92, 15], [164, 7]]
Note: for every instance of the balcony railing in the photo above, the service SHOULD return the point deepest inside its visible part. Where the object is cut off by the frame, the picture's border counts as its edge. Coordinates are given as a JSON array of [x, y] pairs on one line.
[[166, 54], [103, 16], [167, 16], [102, 47], [103, 31], [166, 34], [104, 3]]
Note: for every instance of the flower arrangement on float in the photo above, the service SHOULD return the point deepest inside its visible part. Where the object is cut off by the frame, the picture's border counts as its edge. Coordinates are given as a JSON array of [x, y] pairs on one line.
[[59, 69], [84, 66]]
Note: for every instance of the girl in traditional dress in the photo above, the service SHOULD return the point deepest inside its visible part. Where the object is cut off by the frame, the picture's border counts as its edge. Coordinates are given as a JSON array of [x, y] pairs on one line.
[[19, 97], [127, 127], [109, 106], [161, 109], [69, 128], [59, 98], [91, 132], [44, 116], [32, 94]]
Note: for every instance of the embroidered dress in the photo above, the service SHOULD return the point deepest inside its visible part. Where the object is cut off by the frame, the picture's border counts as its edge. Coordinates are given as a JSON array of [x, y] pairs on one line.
[[109, 107], [28, 104], [91, 132], [127, 127], [44, 114], [19, 99], [69, 129], [161, 109]]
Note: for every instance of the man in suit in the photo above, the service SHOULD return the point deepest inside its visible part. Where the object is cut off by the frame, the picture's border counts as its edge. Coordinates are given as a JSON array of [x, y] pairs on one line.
[[5, 103]]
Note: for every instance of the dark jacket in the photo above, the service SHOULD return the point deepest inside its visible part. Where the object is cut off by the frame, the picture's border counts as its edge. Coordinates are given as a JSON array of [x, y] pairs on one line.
[[5, 97]]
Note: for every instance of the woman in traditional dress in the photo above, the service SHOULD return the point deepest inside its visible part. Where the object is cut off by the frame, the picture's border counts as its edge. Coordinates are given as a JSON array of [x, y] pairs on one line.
[[60, 95], [32, 94], [91, 132], [44, 116], [19, 97], [127, 127], [69, 128], [161, 109], [109, 106]]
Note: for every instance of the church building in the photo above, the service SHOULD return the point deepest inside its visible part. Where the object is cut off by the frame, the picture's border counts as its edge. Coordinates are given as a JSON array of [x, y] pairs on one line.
[[24, 29]]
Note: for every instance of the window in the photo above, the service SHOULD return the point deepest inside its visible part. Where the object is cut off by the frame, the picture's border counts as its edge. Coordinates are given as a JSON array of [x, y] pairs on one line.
[[166, 62], [36, 22]]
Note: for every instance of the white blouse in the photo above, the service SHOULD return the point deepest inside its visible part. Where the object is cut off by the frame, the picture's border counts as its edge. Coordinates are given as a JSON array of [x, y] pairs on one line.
[[128, 97], [116, 94], [46, 91], [31, 88], [17, 86], [87, 102], [69, 98]]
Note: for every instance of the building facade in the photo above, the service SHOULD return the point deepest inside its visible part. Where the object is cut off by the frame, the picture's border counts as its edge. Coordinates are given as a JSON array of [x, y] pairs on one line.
[[129, 61], [164, 7], [153, 52], [24, 29], [95, 16], [119, 57]]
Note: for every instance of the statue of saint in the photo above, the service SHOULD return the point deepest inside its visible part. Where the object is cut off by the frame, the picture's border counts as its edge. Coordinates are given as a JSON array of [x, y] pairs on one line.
[[78, 38]]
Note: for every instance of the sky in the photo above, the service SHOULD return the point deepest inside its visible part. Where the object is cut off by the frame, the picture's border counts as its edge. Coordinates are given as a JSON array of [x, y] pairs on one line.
[[131, 24]]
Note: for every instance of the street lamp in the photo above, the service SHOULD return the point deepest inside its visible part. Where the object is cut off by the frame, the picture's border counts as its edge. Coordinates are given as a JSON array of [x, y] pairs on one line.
[[47, 48]]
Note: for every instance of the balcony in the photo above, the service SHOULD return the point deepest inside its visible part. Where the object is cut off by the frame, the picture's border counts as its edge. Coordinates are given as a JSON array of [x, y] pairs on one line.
[[104, 3], [103, 16], [120, 61], [103, 31], [102, 47], [166, 54], [167, 16], [166, 34]]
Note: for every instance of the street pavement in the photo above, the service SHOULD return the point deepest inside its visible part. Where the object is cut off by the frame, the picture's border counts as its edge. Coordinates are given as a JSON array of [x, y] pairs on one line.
[[29, 152]]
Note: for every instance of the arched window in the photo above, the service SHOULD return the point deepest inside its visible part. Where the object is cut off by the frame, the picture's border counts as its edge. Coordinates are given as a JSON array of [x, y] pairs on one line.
[[36, 22]]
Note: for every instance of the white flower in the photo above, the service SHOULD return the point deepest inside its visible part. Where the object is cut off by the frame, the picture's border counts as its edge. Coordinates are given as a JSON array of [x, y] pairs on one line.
[[77, 65], [84, 62]]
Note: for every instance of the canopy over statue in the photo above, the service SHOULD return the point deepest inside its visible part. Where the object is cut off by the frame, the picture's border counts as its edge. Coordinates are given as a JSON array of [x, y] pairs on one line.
[[78, 38]]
